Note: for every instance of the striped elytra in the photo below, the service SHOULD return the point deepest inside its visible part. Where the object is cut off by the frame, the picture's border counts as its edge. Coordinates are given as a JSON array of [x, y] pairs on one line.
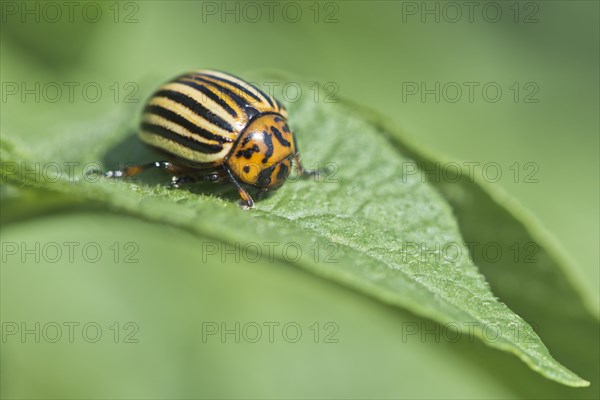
[[214, 126], [199, 115]]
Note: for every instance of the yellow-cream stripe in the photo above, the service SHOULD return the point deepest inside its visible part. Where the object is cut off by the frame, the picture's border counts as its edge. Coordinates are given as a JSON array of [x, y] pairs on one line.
[[244, 84], [201, 98], [242, 119], [183, 151], [261, 104], [190, 116], [178, 129]]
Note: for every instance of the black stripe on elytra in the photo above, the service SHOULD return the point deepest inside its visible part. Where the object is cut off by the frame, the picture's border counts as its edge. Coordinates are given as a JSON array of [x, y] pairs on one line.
[[245, 90], [250, 111], [268, 140], [279, 137], [195, 106], [209, 93], [281, 107], [266, 96], [185, 123], [235, 85], [263, 94], [182, 140]]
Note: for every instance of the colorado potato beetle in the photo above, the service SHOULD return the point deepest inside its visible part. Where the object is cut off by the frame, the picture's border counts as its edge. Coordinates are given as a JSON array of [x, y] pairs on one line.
[[213, 126]]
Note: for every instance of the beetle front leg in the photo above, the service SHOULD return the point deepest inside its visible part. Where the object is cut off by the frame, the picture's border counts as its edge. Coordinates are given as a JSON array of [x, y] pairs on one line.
[[246, 201]]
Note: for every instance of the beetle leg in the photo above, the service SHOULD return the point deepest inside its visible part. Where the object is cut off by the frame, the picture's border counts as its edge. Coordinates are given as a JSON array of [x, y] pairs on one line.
[[136, 169], [177, 181], [246, 201], [302, 172]]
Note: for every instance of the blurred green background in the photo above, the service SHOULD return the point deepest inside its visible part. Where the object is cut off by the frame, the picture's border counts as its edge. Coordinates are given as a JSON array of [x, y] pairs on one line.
[[543, 55]]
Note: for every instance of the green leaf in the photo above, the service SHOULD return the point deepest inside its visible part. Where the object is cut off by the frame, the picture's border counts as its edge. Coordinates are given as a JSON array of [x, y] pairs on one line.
[[369, 226], [532, 274]]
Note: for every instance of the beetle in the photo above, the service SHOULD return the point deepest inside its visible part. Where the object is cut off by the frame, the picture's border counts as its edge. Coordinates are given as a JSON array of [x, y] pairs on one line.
[[214, 126]]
